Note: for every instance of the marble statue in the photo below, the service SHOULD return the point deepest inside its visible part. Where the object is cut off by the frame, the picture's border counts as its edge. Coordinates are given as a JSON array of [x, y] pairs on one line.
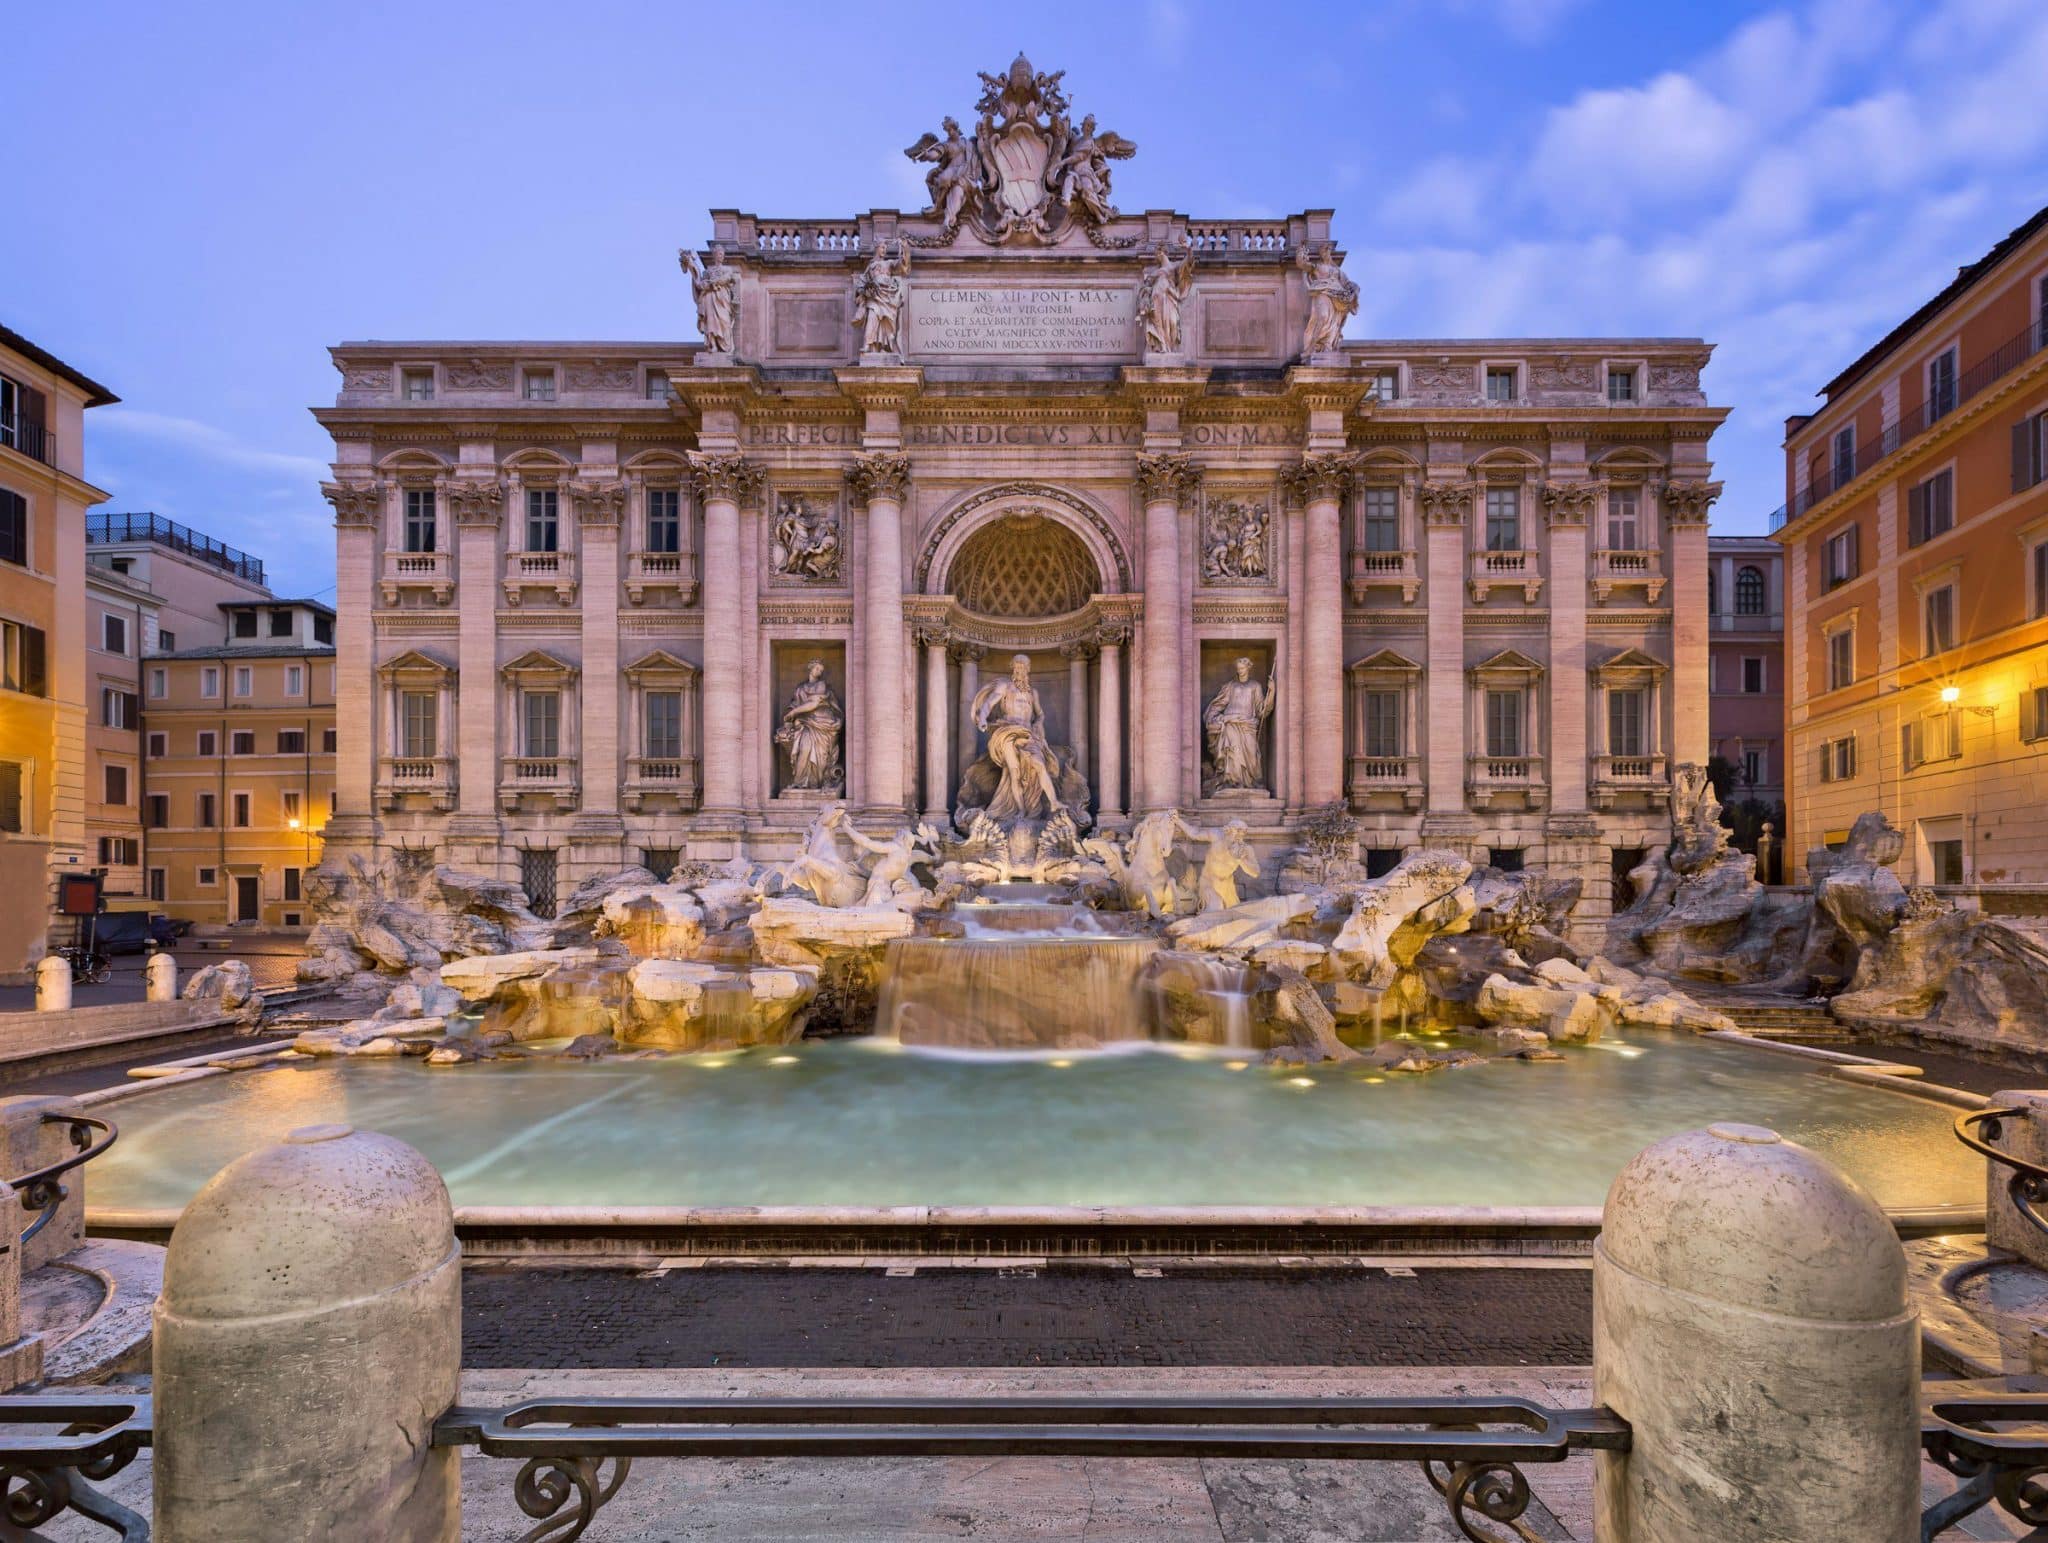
[[1235, 725], [1229, 854], [1234, 543], [889, 881], [1147, 875], [1165, 285], [954, 182], [1332, 299], [1084, 170], [878, 296], [806, 544], [810, 732], [823, 868], [1020, 780], [716, 286]]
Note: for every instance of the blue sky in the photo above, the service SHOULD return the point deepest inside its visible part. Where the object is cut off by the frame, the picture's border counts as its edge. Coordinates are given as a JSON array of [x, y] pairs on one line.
[[207, 195]]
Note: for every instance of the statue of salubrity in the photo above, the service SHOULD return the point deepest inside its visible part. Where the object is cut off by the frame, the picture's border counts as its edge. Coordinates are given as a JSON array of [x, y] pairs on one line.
[[1234, 726], [878, 296], [716, 286]]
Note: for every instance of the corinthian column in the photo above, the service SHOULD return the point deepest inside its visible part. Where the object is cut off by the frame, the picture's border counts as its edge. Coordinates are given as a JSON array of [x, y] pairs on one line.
[[879, 481], [722, 481], [1319, 482], [1569, 506], [938, 749], [1163, 482]]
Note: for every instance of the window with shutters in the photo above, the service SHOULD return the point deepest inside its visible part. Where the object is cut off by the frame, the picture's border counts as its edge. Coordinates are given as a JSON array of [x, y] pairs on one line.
[[291, 741], [114, 784], [1625, 723], [13, 528], [1841, 556], [13, 803], [245, 624], [1382, 512], [417, 724], [291, 884], [1753, 768], [119, 709], [23, 659], [328, 740], [1752, 675], [2034, 714], [209, 681], [1503, 519], [1844, 466], [208, 742], [1383, 723], [1841, 658], [1838, 759], [156, 811], [291, 803], [242, 805], [1503, 723], [159, 884], [2029, 452], [1938, 607], [113, 634], [664, 519], [1751, 598], [1936, 736], [294, 680], [419, 520], [280, 624], [159, 684], [159, 744], [245, 680], [1941, 385], [242, 742], [543, 520], [206, 811], [1931, 507]]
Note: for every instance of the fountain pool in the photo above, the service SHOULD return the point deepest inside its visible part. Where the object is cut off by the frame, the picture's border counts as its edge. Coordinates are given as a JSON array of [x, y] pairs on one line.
[[869, 1123]]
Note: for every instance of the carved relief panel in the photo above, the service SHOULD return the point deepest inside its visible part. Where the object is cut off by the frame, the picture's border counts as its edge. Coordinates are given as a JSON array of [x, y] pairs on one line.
[[806, 536], [1237, 538]]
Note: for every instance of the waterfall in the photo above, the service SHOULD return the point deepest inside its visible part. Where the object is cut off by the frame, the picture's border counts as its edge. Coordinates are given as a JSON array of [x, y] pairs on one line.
[[1014, 993]]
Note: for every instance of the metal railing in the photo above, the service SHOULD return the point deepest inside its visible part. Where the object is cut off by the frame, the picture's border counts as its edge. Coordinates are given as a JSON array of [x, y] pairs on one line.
[[105, 529], [59, 1444], [2027, 1187], [32, 439], [44, 1190], [1986, 372]]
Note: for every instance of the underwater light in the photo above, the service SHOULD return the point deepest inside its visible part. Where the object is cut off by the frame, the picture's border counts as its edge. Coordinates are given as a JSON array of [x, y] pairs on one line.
[[1301, 1082], [1062, 1062], [782, 1060], [1235, 1066]]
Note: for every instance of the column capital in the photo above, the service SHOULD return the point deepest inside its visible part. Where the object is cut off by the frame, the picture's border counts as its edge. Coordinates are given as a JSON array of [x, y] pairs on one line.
[[1320, 477], [1445, 504], [931, 634], [882, 474], [1079, 648], [598, 503], [1569, 503], [1167, 478], [967, 653], [1687, 502], [1112, 634], [355, 503], [476, 503], [732, 478]]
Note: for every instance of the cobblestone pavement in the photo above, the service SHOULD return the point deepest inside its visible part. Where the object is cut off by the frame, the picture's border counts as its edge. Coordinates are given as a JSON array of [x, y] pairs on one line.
[[1075, 1315]]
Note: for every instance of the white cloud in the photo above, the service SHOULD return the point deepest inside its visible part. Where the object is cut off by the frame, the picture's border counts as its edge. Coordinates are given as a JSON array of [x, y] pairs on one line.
[[203, 439], [1663, 142]]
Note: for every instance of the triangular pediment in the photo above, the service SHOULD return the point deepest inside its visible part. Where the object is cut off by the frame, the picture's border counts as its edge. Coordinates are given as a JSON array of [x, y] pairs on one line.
[[1387, 661], [538, 663], [1630, 659], [1509, 661], [659, 662], [415, 661]]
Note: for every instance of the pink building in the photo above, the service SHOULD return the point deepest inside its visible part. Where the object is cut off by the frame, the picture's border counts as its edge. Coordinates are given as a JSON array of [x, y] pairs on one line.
[[1746, 664]]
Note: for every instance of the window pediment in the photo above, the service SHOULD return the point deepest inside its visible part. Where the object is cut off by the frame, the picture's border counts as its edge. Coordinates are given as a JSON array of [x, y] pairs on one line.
[[1629, 667], [661, 668], [1508, 667], [537, 667], [416, 667], [1387, 662]]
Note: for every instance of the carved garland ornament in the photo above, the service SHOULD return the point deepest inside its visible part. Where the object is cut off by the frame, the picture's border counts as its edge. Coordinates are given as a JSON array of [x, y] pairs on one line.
[[366, 377], [1167, 478], [881, 475], [732, 478]]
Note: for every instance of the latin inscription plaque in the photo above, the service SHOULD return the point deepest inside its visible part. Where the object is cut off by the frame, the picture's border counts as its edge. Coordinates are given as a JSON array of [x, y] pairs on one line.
[[982, 321]]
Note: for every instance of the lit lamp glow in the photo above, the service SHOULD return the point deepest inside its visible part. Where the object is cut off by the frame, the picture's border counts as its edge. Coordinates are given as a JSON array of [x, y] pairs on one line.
[[1950, 695]]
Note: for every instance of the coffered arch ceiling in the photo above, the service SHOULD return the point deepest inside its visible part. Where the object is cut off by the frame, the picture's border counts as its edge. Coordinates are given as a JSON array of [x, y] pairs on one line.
[[1024, 564]]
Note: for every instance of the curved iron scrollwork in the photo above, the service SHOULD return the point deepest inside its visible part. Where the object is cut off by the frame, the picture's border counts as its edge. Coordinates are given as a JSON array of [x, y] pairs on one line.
[[92, 1435], [548, 1484], [1495, 1490], [2027, 1186], [44, 1190]]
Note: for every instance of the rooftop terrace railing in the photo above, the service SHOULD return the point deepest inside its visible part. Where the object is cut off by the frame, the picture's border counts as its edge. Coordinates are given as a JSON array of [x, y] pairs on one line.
[[105, 529], [1986, 372]]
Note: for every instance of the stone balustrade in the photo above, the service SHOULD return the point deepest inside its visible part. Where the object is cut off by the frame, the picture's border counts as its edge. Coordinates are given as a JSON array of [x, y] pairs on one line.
[[647, 572], [1398, 775], [1615, 568], [433, 572], [550, 777], [551, 571], [1506, 570], [1490, 777], [1384, 570], [400, 777]]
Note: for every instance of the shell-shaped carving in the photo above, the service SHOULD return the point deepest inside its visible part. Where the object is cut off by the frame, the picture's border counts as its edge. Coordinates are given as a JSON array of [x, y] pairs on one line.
[[1026, 564]]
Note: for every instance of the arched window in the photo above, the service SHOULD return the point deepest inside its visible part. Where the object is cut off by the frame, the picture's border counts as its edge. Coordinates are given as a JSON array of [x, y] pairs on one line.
[[1749, 592]]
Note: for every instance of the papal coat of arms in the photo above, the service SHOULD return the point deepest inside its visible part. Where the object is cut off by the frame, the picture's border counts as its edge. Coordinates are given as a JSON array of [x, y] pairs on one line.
[[1026, 168]]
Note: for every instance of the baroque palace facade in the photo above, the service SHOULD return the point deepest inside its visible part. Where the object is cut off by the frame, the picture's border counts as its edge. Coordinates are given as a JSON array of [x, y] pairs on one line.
[[603, 603]]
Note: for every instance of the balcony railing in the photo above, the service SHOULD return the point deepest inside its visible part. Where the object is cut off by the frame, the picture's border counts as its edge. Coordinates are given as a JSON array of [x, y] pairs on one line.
[[433, 571], [1615, 775], [549, 776], [1509, 570], [1748, 621], [1384, 570], [417, 776], [109, 529], [1986, 372], [1491, 776], [647, 571], [670, 776], [540, 570], [1385, 775], [1617, 568], [30, 438]]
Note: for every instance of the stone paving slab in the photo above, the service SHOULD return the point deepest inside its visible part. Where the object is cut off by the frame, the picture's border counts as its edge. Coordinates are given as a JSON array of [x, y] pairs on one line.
[[1059, 1315]]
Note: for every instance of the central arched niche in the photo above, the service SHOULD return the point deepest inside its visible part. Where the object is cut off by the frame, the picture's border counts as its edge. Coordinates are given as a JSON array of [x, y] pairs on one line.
[[1023, 564]]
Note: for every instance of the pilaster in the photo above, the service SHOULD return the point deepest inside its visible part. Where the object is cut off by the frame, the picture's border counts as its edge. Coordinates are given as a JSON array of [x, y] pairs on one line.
[[723, 481], [1320, 481], [1165, 481], [1684, 507], [1568, 507], [356, 507], [1445, 508], [599, 508], [477, 507]]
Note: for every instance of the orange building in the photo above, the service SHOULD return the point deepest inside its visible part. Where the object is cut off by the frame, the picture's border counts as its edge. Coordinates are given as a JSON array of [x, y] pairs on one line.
[[1916, 576]]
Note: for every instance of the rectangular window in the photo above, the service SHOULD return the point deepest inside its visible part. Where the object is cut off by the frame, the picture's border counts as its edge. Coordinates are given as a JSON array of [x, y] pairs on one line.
[[543, 521], [664, 520], [209, 742], [159, 745], [1941, 385], [240, 804], [1504, 723], [417, 724], [1500, 383], [2038, 560], [2034, 714], [13, 527], [2029, 452], [158, 884], [1503, 519], [291, 741], [537, 877], [664, 724], [242, 742], [245, 680], [1753, 768], [543, 723], [159, 684], [206, 811], [539, 385], [323, 633], [419, 387], [115, 790], [280, 624], [1931, 507], [167, 640], [658, 388], [291, 802], [156, 811], [1752, 675], [206, 878], [1381, 861], [327, 741], [119, 851], [419, 519], [1622, 532], [209, 681], [1383, 723], [13, 806], [1842, 557], [24, 659], [1838, 759], [1383, 519], [1841, 659], [1621, 385], [119, 709], [1386, 385], [114, 634], [1506, 859], [660, 861], [1845, 456], [1625, 723], [294, 680], [245, 624], [291, 884], [1946, 860], [1940, 608]]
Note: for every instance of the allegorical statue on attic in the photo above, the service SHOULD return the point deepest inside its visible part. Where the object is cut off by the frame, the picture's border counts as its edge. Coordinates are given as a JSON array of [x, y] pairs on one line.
[[878, 296], [1023, 166], [716, 286], [1161, 291], [1332, 300]]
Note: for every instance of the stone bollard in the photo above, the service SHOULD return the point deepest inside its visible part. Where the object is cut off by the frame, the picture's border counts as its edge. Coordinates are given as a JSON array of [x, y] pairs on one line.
[[1750, 1322], [308, 1336], [53, 984], [160, 979]]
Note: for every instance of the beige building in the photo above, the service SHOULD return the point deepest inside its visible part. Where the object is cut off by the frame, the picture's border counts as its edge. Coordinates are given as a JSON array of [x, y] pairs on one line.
[[605, 603], [1916, 554], [43, 499], [237, 777]]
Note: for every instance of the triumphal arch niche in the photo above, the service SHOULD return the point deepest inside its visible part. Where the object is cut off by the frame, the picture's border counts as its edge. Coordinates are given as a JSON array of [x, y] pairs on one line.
[[1021, 513]]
